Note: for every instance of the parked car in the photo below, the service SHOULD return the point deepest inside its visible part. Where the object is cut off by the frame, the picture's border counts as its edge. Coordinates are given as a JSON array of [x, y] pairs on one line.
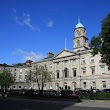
[[51, 93], [80, 91], [69, 94], [23, 91], [14, 92], [106, 90]]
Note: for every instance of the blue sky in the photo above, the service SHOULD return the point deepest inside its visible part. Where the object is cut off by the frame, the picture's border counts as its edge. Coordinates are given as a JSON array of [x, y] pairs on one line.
[[31, 28]]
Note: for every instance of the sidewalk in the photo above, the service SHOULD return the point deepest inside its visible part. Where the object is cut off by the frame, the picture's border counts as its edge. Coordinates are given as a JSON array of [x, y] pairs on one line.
[[94, 103]]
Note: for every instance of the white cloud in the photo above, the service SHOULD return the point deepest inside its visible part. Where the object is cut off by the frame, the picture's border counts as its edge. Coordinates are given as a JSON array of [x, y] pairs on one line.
[[29, 55], [14, 10], [24, 20], [50, 24]]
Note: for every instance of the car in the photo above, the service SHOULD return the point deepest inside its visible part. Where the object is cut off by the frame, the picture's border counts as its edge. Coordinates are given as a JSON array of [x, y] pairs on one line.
[[106, 90], [51, 93]]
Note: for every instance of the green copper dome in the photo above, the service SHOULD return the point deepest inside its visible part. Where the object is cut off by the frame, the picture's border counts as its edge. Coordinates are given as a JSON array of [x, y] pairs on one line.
[[79, 25]]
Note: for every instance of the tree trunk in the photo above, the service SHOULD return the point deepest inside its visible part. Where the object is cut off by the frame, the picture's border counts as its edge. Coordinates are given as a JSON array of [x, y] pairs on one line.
[[38, 84]]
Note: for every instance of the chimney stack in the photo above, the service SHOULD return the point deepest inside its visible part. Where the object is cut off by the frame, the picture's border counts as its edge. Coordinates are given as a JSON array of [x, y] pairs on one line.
[[50, 54]]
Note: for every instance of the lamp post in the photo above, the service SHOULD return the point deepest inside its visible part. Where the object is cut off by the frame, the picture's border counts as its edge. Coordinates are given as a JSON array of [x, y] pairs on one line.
[[30, 72], [80, 81]]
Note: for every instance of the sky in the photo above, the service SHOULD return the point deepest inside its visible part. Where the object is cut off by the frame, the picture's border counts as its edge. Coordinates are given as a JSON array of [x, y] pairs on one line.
[[29, 29]]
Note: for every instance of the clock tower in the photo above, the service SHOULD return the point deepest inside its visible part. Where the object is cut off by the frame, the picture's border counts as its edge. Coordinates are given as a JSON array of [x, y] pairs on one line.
[[80, 41]]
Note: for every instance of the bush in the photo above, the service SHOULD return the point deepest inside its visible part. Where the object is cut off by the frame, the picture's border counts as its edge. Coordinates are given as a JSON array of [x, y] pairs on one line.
[[97, 96]]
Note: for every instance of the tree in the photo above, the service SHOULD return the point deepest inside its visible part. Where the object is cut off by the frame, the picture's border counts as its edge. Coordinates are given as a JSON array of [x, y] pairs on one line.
[[40, 75], [95, 44], [101, 43], [6, 79]]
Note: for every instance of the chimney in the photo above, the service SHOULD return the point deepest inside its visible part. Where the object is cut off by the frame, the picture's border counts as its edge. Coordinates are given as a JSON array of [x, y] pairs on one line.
[[50, 54]]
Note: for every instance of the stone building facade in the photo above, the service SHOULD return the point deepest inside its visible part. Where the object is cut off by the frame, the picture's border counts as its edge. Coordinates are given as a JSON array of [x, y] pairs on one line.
[[19, 72], [77, 68], [70, 69]]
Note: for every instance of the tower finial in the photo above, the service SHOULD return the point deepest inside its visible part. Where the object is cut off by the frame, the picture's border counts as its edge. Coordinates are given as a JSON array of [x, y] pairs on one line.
[[78, 19], [65, 43]]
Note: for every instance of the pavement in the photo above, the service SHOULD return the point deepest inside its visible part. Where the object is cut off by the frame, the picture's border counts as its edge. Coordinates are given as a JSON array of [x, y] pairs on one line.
[[84, 103], [90, 105], [94, 103]]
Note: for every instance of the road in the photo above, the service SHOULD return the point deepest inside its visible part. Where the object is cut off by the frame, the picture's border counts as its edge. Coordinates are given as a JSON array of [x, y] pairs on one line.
[[30, 104]]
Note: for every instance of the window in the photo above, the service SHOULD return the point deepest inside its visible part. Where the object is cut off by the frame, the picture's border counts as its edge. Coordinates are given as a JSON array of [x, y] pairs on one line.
[[50, 65], [102, 69], [14, 79], [104, 84], [14, 74], [84, 70], [65, 87], [83, 61], [94, 85], [51, 74], [20, 77], [93, 70], [74, 62], [74, 72], [78, 43], [66, 72], [57, 73], [26, 76], [20, 70], [92, 59], [84, 85]]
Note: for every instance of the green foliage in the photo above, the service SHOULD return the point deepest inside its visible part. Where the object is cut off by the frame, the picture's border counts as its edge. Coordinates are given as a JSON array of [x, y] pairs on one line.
[[97, 96], [101, 43], [95, 44], [105, 47], [6, 78], [4, 64]]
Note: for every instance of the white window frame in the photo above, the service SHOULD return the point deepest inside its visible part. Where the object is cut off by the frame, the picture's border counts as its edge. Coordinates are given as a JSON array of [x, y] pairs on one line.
[[83, 60], [102, 68], [20, 70], [92, 59], [84, 70], [93, 68], [94, 84], [104, 84]]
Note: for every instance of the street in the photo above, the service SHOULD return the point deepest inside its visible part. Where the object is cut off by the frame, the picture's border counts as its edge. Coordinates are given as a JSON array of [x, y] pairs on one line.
[[30, 104]]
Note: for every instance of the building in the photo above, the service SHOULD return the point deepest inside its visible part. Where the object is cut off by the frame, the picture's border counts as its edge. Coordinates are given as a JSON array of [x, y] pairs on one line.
[[19, 73], [70, 69], [76, 68]]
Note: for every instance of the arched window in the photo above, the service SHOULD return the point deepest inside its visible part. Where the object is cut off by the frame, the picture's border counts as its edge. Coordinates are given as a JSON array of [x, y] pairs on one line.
[[57, 73], [78, 43], [66, 72]]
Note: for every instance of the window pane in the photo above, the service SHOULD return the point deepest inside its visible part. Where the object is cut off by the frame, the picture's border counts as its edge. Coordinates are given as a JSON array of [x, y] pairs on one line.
[[102, 70]]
